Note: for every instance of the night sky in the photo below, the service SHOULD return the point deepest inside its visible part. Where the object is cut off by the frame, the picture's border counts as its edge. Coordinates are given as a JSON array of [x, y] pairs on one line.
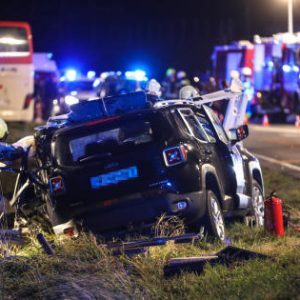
[[118, 35]]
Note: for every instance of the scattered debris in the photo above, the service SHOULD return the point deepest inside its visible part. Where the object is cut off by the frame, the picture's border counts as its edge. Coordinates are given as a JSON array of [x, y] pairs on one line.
[[45, 244], [13, 237], [232, 254], [139, 246], [188, 264], [226, 257]]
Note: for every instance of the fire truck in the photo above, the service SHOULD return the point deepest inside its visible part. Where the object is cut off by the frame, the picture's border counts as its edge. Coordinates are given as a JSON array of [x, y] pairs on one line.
[[269, 68]]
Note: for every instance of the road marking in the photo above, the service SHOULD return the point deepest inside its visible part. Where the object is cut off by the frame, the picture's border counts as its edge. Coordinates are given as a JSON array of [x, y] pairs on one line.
[[278, 162], [277, 129]]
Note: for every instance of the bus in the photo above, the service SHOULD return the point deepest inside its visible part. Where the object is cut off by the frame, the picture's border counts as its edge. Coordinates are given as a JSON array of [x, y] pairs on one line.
[[16, 72]]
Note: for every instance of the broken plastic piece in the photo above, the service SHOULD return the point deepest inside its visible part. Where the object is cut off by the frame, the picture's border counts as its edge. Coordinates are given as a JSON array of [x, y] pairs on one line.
[[226, 257]]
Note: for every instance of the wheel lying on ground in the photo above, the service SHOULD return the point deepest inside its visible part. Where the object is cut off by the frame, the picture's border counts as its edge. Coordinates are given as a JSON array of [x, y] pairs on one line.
[[257, 204], [214, 219]]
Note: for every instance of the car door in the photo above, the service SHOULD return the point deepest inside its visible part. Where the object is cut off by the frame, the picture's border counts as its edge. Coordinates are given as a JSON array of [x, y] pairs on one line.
[[206, 139], [229, 152], [196, 132]]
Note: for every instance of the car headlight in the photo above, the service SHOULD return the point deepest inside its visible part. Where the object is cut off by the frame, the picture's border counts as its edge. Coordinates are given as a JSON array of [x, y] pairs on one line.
[[70, 100]]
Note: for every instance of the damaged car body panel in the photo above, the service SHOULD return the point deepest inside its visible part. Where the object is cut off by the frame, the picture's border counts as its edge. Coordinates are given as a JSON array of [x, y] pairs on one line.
[[117, 164], [127, 169]]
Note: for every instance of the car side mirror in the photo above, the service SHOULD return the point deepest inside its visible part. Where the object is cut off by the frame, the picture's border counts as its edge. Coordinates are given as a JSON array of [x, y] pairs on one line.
[[3, 131], [239, 134]]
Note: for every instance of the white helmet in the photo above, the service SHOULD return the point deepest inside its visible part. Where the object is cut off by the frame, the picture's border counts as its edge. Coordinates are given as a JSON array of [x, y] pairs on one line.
[[247, 71], [234, 74], [3, 130], [154, 88], [188, 92]]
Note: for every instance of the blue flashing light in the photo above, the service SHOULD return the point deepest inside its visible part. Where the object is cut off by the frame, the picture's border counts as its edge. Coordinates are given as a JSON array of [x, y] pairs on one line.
[[96, 82], [91, 74], [137, 75], [140, 75], [70, 100], [270, 64], [286, 68], [71, 74], [296, 69], [74, 93], [50, 55]]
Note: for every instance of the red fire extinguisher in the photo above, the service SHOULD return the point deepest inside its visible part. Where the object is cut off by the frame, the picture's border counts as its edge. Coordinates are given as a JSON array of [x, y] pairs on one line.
[[273, 216]]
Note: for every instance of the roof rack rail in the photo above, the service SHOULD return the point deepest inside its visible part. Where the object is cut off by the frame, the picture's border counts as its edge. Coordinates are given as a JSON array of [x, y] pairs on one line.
[[164, 103]]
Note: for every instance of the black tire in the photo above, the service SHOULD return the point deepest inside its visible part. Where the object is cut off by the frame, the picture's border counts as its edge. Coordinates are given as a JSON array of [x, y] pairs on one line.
[[214, 220], [257, 203]]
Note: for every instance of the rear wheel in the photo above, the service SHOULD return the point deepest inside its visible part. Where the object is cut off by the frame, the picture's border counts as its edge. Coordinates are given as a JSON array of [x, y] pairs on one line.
[[257, 204], [214, 219]]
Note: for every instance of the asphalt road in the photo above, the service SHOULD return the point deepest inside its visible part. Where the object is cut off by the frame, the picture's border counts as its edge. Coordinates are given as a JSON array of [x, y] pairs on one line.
[[276, 146]]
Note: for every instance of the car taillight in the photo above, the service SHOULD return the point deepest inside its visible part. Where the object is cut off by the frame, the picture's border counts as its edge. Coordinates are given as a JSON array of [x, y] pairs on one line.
[[70, 231], [56, 185], [174, 156]]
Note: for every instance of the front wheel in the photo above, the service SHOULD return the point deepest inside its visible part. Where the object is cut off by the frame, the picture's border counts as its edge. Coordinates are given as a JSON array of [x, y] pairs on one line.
[[214, 219], [257, 203]]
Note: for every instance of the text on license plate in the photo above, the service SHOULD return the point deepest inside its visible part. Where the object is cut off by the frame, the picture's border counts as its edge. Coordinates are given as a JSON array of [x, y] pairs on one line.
[[114, 177]]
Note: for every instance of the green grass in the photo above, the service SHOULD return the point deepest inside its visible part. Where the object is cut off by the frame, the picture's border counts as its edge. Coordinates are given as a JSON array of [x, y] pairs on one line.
[[288, 189], [84, 269]]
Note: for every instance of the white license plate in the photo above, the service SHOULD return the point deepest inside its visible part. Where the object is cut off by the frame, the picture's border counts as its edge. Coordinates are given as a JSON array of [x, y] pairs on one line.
[[114, 177]]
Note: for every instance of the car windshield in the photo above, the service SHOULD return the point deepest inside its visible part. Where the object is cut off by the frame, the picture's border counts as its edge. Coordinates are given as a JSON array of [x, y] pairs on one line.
[[13, 39]]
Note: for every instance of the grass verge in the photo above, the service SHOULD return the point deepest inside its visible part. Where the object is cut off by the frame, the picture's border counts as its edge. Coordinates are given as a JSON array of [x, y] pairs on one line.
[[84, 269]]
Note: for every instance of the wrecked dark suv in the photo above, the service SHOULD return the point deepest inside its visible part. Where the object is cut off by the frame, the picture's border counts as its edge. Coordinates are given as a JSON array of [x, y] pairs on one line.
[[123, 171]]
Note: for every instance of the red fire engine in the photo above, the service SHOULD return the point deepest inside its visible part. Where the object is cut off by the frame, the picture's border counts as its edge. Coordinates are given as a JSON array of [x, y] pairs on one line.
[[269, 67]]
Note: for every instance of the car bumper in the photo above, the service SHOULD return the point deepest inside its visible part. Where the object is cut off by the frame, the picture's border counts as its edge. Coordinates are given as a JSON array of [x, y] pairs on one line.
[[135, 210]]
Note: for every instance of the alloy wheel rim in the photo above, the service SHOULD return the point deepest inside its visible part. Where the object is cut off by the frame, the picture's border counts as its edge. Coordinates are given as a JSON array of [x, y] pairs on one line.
[[218, 219], [258, 206]]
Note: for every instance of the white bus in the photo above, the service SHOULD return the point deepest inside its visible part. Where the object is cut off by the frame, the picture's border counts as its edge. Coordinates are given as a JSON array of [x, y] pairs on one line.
[[16, 72]]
